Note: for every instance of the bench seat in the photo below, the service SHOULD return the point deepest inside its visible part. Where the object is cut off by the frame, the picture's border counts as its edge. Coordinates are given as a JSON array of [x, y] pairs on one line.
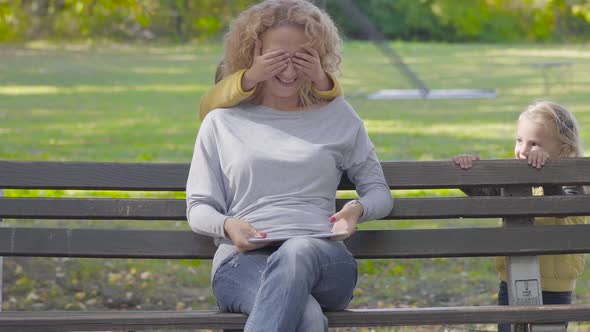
[[203, 319]]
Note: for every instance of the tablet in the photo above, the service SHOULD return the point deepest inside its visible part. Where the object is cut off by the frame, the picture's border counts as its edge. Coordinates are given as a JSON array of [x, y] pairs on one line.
[[287, 237]]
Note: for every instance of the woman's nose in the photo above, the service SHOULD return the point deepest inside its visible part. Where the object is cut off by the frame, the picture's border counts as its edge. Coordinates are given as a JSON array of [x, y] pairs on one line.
[[290, 71]]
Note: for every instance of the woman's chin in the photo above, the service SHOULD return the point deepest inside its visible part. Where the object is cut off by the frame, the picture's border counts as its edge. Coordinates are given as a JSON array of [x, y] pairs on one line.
[[283, 92]]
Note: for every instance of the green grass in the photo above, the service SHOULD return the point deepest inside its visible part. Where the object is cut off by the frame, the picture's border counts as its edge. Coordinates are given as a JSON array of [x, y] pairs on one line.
[[140, 103]]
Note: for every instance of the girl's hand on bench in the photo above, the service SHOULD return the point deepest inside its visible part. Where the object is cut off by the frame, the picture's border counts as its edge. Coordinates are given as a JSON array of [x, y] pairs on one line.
[[537, 157], [465, 161], [346, 220], [239, 231]]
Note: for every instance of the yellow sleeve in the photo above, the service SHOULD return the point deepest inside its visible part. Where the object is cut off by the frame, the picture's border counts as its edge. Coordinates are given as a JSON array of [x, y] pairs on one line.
[[330, 94], [227, 93]]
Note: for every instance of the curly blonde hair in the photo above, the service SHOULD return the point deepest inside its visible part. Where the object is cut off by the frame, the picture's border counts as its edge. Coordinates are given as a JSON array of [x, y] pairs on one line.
[[318, 27]]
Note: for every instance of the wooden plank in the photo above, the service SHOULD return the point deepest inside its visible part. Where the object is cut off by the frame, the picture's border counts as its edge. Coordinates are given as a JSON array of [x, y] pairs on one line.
[[405, 208], [59, 242], [459, 315], [93, 175], [93, 208], [497, 173], [400, 175], [470, 242], [417, 243], [489, 207], [146, 320]]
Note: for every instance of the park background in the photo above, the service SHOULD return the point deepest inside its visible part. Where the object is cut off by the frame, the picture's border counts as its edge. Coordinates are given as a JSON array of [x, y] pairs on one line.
[[120, 80]]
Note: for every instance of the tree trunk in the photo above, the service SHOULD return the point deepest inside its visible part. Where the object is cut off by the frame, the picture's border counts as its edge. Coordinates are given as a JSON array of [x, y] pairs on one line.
[[178, 20]]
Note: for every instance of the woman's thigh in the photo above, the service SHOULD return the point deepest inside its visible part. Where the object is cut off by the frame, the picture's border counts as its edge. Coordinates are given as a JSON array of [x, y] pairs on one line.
[[337, 281], [331, 268], [334, 273], [237, 280]]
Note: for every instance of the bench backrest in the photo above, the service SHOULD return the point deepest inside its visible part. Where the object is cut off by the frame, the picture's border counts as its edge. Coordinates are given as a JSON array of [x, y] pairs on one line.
[[455, 242]]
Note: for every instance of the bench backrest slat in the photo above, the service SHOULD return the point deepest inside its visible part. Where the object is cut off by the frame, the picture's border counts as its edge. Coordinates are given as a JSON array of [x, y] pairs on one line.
[[405, 208], [497, 173], [172, 177], [93, 175], [416, 243], [93, 208]]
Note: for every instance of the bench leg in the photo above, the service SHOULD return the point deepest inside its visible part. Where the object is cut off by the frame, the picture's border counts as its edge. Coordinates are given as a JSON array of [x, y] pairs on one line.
[[524, 285], [522, 272], [524, 280]]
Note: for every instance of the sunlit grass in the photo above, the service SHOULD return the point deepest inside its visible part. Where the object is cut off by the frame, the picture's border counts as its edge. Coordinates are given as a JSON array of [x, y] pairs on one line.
[[92, 101], [48, 90]]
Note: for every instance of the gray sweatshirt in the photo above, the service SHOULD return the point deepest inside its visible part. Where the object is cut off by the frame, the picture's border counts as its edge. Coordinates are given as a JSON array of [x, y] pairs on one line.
[[279, 171]]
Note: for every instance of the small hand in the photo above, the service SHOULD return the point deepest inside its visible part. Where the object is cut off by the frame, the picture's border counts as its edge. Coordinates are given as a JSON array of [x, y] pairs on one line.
[[537, 157], [310, 64], [465, 161], [346, 220], [240, 231], [264, 66]]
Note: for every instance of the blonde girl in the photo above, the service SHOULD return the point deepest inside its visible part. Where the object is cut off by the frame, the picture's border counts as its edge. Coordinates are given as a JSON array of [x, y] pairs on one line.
[[545, 130]]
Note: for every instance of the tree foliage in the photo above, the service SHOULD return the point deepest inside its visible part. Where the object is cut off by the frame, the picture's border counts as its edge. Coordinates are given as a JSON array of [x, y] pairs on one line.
[[473, 20], [183, 20], [118, 19]]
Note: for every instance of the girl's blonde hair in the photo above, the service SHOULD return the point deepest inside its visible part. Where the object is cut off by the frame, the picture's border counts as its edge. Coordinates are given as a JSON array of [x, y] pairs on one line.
[[560, 122], [256, 20]]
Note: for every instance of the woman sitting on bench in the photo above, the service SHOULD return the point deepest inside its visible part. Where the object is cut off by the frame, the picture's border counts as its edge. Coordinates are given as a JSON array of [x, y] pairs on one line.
[[269, 168]]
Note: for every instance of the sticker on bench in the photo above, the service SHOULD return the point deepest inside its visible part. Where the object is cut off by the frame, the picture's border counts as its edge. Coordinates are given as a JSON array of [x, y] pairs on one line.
[[527, 292]]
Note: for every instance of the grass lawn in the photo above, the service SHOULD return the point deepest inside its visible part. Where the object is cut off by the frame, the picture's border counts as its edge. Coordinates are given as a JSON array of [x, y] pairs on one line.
[[140, 104]]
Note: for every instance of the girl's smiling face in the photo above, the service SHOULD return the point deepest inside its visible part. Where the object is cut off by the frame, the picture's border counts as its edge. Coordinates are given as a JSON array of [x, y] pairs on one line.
[[532, 135]]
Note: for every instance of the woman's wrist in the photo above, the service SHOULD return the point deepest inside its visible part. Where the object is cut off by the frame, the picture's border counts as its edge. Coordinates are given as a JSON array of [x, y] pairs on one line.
[[355, 204], [227, 224]]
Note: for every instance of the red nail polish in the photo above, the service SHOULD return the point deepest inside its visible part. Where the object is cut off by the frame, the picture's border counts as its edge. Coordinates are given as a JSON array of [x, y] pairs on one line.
[[332, 219]]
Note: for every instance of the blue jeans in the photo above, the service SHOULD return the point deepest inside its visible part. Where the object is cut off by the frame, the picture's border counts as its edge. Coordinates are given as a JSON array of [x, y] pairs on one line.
[[548, 298], [286, 288]]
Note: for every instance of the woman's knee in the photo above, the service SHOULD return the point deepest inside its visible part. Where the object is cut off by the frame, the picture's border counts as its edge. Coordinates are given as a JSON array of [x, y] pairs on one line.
[[312, 261], [297, 253], [299, 245], [310, 249]]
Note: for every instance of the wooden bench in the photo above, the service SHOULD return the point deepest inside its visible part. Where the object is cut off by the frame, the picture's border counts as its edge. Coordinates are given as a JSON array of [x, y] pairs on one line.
[[516, 207]]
